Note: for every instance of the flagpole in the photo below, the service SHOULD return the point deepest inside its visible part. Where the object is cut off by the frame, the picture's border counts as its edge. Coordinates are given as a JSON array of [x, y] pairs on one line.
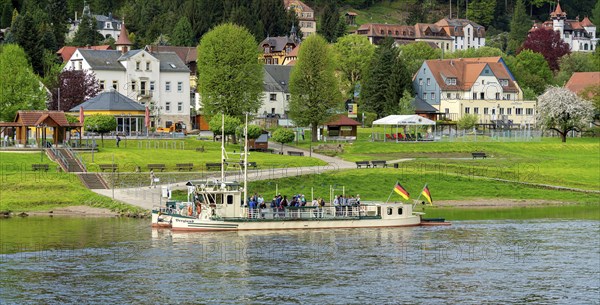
[[390, 196], [417, 201]]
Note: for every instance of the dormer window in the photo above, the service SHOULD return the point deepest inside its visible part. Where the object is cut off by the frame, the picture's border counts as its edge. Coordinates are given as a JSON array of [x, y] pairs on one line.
[[451, 81], [108, 25], [504, 82]]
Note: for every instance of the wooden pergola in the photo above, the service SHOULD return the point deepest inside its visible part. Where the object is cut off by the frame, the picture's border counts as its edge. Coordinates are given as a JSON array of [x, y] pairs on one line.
[[39, 125]]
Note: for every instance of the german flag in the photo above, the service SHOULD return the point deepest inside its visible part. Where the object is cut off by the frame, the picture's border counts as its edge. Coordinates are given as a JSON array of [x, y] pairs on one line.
[[427, 194], [401, 191]]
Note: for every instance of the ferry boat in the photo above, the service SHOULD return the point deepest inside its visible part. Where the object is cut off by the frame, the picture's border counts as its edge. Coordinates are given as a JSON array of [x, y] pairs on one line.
[[219, 205]]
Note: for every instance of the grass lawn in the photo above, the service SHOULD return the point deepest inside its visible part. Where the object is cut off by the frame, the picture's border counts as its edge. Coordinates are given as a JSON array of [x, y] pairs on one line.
[[135, 153], [24, 190], [376, 184], [575, 163]]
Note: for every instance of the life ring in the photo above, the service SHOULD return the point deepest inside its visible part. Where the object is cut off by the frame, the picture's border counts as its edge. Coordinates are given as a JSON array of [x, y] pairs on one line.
[[190, 210]]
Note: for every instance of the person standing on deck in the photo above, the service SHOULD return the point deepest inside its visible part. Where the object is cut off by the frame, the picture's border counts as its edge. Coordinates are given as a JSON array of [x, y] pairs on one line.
[[152, 179]]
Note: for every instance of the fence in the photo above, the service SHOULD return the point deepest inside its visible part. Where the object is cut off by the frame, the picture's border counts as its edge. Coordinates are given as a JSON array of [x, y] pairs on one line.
[[488, 136]]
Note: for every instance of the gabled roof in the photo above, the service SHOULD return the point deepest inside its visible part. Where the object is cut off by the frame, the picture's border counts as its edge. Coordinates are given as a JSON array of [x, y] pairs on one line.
[[342, 120], [586, 22], [581, 80], [102, 60], [305, 8], [466, 72], [123, 37], [170, 62], [422, 106], [277, 78], [277, 43], [404, 120], [34, 118], [455, 27], [110, 100], [67, 51]]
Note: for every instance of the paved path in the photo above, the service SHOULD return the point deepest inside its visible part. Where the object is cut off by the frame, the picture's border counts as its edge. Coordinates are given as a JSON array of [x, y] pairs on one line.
[[149, 197]]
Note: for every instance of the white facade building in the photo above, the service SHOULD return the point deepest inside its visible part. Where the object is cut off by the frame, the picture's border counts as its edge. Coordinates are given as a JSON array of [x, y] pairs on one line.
[[465, 33], [579, 35]]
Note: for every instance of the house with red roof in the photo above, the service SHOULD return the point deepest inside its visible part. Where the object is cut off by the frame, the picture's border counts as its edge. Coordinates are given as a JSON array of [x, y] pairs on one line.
[[580, 81]]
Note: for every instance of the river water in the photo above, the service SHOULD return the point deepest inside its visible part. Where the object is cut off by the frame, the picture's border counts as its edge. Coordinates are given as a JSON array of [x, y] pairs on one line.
[[111, 260]]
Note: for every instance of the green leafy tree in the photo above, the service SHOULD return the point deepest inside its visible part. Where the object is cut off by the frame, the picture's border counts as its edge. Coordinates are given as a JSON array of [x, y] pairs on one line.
[[596, 17], [481, 11], [283, 136], [574, 62], [57, 12], [6, 17], [414, 54], [592, 93], [531, 70], [231, 124], [386, 81], [86, 34], [417, 13], [520, 24], [498, 41], [182, 33], [474, 53], [230, 76], [20, 88], [353, 54], [313, 85], [100, 123], [468, 121], [561, 110], [405, 103], [254, 131]]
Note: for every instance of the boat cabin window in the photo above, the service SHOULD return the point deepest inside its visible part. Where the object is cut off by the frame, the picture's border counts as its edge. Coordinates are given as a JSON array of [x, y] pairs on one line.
[[229, 199], [399, 211], [389, 211]]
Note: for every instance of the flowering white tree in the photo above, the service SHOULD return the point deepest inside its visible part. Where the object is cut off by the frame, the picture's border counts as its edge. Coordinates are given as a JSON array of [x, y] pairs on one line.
[[561, 110]]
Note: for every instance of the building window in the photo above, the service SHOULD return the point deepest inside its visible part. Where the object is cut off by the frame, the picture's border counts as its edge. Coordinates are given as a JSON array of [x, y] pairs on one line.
[[481, 96], [108, 25], [79, 65], [424, 95], [272, 97], [420, 82], [428, 81], [179, 86], [446, 110], [432, 95], [115, 85], [180, 106], [474, 95], [287, 97], [457, 95], [485, 110], [519, 111], [508, 111], [133, 86], [501, 111], [483, 80], [168, 107], [137, 65], [448, 95], [467, 109], [151, 85], [529, 111], [497, 95], [508, 96], [101, 85], [147, 66], [168, 86], [476, 110]]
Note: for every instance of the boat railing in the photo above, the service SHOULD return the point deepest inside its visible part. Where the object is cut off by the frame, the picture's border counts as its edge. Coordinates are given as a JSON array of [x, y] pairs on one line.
[[309, 212]]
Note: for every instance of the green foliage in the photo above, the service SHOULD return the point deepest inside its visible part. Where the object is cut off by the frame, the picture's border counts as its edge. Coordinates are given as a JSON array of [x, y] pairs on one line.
[[283, 135], [19, 87], [486, 51], [529, 94], [575, 62], [182, 34], [531, 70], [414, 54], [596, 17], [520, 25], [254, 131], [86, 34], [26, 35], [353, 54], [313, 85], [329, 26], [100, 123], [230, 76], [386, 81], [6, 17], [231, 124], [482, 11], [368, 118], [404, 104], [468, 121], [498, 41]]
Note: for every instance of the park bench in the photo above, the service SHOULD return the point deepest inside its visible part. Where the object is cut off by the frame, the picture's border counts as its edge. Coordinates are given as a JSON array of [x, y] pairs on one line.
[[112, 167], [36, 167], [156, 166], [295, 153], [186, 166], [380, 163], [250, 164], [478, 155], [213, 165], [360, 164], [200, 149]]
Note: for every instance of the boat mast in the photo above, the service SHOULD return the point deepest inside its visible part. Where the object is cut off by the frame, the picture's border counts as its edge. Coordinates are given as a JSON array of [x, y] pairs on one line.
[[246, 161], [223, 147]]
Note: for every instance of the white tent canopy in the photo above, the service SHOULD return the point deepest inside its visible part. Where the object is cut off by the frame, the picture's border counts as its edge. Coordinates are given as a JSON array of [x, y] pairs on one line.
[[403, 120]]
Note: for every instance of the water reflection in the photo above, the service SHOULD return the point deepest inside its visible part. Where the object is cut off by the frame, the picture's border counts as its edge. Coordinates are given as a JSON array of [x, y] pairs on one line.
[[123, 261]]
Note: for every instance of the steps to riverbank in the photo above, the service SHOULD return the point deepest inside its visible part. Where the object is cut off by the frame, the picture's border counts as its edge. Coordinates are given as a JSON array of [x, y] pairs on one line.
[[92, 181]]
